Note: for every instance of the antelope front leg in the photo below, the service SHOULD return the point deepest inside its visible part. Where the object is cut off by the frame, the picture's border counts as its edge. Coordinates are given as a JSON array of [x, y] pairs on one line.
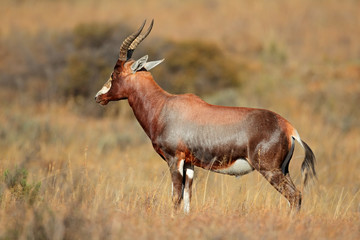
[[177, 176], [189, 175]]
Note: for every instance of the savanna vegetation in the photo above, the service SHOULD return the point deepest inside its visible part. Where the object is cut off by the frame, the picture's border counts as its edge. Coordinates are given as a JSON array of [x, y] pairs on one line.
[[71, 169]]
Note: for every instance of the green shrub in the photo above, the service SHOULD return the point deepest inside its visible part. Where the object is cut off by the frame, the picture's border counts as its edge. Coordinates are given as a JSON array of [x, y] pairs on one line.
[[21, 190]]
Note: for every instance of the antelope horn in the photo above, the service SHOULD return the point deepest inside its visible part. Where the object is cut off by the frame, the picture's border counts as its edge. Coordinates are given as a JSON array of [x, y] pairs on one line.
[[126, 43], [138, 40]]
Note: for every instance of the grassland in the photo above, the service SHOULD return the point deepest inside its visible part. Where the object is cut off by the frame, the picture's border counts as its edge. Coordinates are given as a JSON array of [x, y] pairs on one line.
[[70, 169]]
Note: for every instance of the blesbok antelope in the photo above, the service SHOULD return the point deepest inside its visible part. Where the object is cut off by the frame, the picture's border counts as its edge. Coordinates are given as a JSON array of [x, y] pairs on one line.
[[186, 131]]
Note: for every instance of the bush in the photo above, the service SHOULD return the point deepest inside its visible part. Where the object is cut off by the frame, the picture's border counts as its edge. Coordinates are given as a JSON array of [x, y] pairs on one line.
[[20, 189], [81, 73], [198, 67], [92, 35]]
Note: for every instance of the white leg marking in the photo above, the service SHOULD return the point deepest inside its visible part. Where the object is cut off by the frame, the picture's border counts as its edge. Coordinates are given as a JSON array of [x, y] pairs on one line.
[[181, 167], [190, 173], [186, 201]]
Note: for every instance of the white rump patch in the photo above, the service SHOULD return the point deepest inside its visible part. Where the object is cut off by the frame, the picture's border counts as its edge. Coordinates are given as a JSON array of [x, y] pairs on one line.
[[296, 136], [238, 168]]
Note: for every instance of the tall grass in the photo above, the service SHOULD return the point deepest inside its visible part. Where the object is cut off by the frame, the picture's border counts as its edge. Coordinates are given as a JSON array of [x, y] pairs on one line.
[[95, 185]]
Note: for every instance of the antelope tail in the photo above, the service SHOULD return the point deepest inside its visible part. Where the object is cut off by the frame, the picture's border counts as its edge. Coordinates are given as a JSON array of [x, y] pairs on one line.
[[308, 165]]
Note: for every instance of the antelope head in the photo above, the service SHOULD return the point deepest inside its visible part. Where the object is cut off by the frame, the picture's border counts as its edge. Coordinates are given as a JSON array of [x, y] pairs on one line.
[[117, 86]]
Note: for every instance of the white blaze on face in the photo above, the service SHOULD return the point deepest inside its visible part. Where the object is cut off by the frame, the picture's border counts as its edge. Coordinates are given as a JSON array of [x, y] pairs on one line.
[[105, 88]]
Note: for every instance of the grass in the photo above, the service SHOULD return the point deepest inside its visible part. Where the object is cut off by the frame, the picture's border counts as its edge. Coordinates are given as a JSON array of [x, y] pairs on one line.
[[68, 174], [93, 187]]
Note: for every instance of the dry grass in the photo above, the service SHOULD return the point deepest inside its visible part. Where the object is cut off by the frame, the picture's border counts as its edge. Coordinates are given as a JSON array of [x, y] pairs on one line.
[[100, 178], [93, 187]]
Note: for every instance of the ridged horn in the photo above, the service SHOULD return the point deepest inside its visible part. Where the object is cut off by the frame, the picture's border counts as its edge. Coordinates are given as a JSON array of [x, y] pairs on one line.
[[127, 42], [138, 40]]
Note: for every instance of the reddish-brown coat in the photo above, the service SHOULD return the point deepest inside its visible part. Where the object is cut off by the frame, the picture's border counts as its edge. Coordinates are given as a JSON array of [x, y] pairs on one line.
[[152, 107], [184, 127]]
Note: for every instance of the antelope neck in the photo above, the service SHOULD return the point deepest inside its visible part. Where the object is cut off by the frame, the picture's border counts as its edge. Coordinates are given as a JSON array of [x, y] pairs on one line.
[[147, 99]]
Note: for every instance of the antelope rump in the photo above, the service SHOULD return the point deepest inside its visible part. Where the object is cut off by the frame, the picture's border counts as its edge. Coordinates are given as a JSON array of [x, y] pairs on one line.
[[186, 131]]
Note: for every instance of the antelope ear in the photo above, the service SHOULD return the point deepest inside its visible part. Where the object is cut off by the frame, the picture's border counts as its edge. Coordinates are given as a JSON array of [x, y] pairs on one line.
[[139, 64], [150, 65]]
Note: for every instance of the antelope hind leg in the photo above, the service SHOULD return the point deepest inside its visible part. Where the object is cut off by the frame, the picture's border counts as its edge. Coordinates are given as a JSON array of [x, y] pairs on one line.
[[285, 186]]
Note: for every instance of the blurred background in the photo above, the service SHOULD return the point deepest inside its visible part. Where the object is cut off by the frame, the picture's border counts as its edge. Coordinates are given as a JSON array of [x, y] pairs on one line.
[[68, 164]]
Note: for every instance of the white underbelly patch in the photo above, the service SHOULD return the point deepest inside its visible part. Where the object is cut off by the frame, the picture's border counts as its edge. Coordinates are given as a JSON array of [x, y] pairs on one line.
[[238, 168]]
